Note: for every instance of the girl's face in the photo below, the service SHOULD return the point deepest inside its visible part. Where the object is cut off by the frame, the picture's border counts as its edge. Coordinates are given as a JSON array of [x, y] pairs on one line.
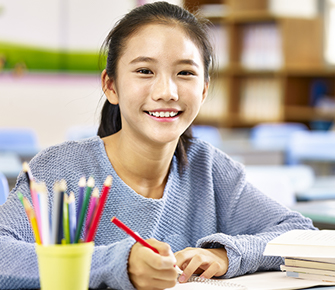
[[160, 84]]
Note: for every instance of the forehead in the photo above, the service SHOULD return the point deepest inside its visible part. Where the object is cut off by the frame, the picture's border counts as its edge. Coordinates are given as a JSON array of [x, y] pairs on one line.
[[161, 41]]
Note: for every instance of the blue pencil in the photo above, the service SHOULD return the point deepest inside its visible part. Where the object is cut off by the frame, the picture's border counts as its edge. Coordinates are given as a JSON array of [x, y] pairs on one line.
[[72, 217]]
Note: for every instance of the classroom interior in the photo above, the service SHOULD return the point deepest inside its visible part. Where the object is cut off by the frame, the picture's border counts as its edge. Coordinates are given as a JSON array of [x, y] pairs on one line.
[[271, 104]]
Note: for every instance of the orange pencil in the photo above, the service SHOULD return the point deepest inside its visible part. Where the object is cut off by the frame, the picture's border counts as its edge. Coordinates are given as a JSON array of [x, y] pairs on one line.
[[32, 218]]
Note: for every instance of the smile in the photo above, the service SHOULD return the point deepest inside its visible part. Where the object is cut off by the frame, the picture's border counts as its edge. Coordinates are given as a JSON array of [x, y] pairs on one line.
[[163, 114]]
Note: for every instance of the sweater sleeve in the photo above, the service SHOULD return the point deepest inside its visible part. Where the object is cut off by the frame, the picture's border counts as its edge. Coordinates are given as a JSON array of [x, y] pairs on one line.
[[246, 220], [19, 267]]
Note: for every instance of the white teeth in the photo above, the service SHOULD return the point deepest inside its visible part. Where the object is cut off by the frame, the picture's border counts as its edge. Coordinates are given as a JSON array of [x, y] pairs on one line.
[[163, 114]]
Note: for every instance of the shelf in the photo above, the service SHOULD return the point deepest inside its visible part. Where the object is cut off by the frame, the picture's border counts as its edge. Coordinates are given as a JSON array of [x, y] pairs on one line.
[[273, 67], [301, 113], [312, 71], [250, 16]]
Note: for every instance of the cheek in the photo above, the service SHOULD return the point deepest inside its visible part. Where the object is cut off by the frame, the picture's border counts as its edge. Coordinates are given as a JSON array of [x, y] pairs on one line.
[[194, 94]]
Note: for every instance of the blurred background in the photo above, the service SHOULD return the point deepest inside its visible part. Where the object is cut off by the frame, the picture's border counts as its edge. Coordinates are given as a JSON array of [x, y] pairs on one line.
[[271, 104]]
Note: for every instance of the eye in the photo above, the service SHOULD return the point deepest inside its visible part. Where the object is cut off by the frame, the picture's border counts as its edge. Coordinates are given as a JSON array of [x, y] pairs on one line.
[[144, 71], [186, 73]]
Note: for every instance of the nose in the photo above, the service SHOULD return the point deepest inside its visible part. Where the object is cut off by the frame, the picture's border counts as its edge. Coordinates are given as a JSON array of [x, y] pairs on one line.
[[165, 89]]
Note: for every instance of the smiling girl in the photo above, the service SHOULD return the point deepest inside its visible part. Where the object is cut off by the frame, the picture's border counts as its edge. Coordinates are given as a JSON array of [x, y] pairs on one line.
[[188, 199]]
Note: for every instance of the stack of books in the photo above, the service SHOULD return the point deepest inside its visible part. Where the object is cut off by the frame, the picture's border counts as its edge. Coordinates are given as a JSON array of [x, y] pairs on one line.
[[307, 254]]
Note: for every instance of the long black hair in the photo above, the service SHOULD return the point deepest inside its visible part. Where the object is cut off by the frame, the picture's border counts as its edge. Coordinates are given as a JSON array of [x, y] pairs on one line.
[[114, 44]]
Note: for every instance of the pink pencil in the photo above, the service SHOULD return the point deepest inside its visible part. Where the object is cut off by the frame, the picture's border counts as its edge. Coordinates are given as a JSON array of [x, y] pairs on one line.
[[91, 209]]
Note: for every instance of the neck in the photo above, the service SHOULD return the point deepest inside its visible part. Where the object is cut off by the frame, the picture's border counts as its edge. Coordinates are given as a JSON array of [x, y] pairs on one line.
[[144, 167]]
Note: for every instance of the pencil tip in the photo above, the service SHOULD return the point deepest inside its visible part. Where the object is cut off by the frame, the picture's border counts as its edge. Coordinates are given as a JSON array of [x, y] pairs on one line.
[[95, 192], [25, 166], [108, 181], [90, 182], [62, 185], [82, 182]]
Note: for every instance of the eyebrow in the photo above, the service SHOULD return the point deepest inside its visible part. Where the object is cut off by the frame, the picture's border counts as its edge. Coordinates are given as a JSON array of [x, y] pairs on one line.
[[150, 59], [143, 59], [187, 61]]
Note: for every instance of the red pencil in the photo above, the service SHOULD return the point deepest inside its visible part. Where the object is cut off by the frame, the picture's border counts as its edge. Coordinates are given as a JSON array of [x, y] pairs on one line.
[[100, 207], [122, 226]]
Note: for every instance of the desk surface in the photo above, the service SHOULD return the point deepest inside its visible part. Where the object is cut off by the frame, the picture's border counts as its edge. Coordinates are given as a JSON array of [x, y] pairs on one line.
[[273, 280]]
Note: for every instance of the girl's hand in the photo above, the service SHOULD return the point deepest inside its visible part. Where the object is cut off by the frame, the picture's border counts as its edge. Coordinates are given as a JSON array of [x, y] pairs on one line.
[[206, 262], [148, 270]]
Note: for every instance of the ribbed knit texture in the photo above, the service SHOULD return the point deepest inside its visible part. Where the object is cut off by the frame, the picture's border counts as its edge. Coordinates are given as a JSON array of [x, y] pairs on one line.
[[209, 204]]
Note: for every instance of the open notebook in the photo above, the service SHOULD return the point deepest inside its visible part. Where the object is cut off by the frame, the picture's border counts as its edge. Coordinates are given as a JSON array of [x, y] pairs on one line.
[[274, 280], [196, 282]]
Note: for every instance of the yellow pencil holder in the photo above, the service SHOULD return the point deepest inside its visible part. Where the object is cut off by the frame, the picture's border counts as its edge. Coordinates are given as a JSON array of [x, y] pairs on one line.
[[65, 267]]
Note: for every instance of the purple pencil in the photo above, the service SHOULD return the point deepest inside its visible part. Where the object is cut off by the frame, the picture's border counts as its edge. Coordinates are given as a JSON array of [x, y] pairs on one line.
[[72, 217]]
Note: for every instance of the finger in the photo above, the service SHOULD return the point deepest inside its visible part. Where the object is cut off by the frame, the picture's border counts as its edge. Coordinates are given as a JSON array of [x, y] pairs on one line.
[[184, 256], [211, 271], [192, 266], [158, 262], [165, 275]]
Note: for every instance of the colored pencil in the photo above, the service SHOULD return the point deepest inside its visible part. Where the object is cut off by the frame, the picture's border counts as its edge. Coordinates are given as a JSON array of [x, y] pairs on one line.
[[72, 217], [26, 170], [138, 238], [32, 218], [36, 205], [66, 223], [55, 212], [90, 185], [43, 198], [100, 207], [123, 227], [62, 190], [82, 185], [91, 209], [20, 196]]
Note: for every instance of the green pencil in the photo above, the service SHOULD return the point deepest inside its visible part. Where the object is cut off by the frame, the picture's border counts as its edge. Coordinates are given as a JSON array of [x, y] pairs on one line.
[[20, 196], [90, 185], [66, 223]]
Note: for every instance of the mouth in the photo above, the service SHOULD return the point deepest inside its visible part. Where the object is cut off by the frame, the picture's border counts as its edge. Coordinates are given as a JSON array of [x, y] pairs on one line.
[[163, 114]]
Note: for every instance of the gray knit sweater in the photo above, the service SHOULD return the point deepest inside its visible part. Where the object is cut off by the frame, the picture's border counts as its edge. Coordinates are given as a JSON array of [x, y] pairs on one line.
[[209, 204]]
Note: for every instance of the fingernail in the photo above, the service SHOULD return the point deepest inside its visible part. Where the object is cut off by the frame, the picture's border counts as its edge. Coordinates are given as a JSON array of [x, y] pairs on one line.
[[182, 278]]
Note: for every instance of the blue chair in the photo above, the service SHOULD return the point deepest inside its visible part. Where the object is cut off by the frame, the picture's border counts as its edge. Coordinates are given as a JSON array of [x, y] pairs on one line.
[[210, 134], [10, 164], [316, 148], [274, 136], [312, 146], [22, 141], [4, 189]]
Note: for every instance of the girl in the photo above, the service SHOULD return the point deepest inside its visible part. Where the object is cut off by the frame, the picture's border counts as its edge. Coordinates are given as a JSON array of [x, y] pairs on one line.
[[188, 199]]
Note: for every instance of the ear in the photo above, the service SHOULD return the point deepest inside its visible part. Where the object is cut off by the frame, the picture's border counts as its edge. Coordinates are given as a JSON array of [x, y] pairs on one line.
[[205, 92], [109, 89]]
